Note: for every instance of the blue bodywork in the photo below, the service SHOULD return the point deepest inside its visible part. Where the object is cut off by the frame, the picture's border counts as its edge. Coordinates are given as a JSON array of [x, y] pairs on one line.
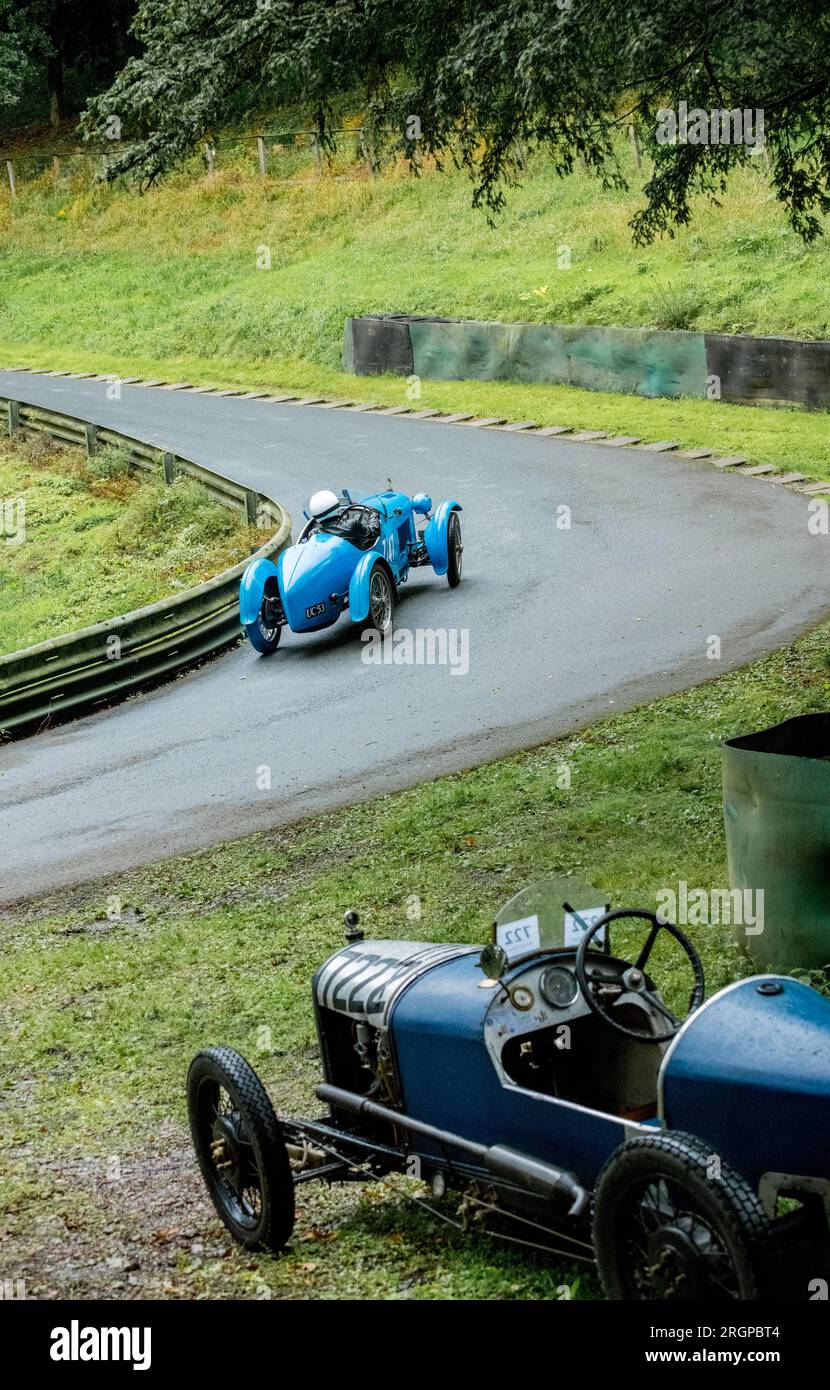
[[325, 573], [748, 1072], [447, 1077], [435, 535], [252, 588]]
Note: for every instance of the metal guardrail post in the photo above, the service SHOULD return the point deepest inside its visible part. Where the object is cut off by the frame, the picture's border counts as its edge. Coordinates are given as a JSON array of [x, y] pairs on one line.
[[91, 438], [251, 506], [168, 463], [13, 416]]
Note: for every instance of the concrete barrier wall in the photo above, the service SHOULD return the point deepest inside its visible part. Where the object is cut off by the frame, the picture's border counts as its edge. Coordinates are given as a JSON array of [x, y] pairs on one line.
[[640, 361]]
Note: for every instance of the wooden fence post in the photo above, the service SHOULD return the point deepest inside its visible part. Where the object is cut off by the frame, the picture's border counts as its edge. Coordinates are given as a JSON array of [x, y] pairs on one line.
[[210, 156], [371, 163], [10, 172], [56, 168], [260, 149], [318, 153]]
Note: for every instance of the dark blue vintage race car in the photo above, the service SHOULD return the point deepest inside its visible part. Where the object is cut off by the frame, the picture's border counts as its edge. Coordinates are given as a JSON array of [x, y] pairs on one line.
[[546, 1082], [352, 553]]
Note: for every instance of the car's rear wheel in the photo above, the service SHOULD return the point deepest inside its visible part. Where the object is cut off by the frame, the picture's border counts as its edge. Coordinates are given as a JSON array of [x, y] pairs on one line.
[[381, 602], [670, 1221], [240, 1147], [455, 550], [264, 634]]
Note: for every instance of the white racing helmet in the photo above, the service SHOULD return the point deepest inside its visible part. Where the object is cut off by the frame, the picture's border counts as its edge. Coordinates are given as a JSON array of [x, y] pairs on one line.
[[322, 503]]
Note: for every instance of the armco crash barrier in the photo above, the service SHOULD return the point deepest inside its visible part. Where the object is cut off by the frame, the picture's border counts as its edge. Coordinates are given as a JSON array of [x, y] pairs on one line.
[[776, 804], [74, 672], [642, 361]]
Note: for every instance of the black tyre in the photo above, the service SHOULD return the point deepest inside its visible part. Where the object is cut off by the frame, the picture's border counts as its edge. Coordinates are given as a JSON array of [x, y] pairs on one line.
[[240, 1148], [455, 550], [381, 602], [665, 1226]]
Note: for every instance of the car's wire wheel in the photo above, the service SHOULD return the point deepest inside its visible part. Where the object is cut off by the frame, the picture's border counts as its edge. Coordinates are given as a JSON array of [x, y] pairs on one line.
[[240, 1148], [670, 1221], [270, 631], [455, 550], [381, 602]]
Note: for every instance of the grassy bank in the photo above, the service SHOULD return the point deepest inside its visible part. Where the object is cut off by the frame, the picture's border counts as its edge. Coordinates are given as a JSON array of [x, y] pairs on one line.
[[86, 539], [179, 266], [101, 1013], [177, 272]]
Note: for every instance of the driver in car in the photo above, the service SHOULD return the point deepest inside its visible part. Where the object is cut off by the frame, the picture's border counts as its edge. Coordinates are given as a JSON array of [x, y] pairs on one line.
[[355, 523]]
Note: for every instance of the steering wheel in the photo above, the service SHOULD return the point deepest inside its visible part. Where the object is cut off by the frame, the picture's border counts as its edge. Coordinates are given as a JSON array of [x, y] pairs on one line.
[[634, 979]]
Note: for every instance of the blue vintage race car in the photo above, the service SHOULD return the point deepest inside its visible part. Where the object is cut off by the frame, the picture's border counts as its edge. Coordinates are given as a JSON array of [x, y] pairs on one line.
[[547, 1083], [352, 553]]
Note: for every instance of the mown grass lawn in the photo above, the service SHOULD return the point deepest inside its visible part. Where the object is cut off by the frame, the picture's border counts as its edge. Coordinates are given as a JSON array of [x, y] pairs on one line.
[[87, 539], [108, 991]]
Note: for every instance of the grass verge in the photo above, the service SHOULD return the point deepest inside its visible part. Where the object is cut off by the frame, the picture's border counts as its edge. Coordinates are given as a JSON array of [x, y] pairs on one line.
[[87, 539], [109, 990]]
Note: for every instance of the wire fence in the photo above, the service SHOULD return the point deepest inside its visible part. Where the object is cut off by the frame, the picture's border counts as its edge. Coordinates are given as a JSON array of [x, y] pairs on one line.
[[281, 155], [288, 155]]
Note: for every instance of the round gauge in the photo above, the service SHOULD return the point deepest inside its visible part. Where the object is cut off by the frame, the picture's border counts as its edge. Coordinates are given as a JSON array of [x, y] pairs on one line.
[[522, 997], [559, 987]]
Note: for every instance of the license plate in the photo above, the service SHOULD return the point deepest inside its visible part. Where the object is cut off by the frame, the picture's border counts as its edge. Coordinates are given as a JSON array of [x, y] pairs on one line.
[[315, 610]]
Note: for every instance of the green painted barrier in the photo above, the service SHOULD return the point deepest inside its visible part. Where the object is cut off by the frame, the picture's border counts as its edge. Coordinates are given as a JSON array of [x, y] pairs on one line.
[[641, 361], [776, 802]]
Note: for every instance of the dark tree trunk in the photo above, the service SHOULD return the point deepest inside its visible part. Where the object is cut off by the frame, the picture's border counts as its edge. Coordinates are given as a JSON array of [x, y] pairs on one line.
[[55, 67]]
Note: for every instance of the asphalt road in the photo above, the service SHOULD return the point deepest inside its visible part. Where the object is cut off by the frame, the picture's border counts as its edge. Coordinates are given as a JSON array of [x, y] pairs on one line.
[[564, 625]]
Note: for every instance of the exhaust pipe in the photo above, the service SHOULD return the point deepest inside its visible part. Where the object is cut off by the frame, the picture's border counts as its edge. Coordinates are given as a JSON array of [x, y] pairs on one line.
[[533, 1173]]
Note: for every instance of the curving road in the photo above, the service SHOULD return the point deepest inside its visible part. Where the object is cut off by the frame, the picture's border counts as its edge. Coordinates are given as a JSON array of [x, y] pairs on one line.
[[564, 625]]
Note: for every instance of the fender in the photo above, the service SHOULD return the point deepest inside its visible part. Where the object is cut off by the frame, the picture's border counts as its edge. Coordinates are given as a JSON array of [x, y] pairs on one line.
[[359, 584], [435, 535], [252, 588]]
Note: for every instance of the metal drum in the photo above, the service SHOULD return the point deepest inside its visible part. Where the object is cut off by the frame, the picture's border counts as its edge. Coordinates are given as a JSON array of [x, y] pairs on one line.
[[776, 804]]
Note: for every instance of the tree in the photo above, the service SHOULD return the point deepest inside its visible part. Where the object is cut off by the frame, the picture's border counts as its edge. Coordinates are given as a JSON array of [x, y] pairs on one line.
[[472, 83], [22, 46], [44, 43]]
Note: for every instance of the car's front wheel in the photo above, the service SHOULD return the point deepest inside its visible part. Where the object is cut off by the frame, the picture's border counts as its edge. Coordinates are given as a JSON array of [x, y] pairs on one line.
[[241, 1150], [670, 1221]]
